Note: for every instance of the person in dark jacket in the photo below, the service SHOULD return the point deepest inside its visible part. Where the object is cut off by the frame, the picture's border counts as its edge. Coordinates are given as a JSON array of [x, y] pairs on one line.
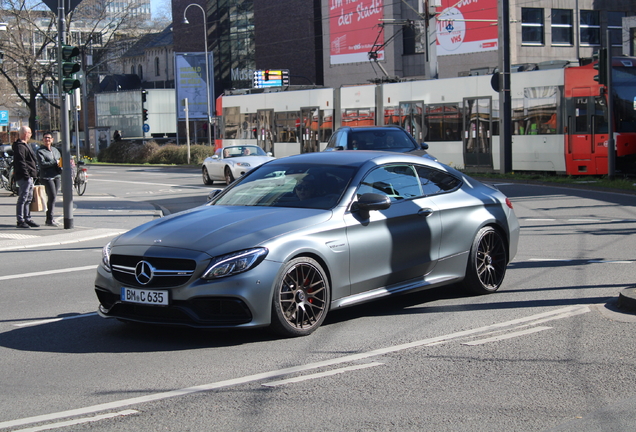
[[25, 171], [50, 177]]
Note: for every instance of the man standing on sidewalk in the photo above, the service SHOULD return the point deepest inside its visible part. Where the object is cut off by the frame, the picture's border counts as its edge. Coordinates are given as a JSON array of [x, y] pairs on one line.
[[25, 171]]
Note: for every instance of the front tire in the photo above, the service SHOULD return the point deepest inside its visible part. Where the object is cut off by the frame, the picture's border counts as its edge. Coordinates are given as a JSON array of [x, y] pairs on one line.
[[301, 298], [486, 263], [206, 177], [229, 178]]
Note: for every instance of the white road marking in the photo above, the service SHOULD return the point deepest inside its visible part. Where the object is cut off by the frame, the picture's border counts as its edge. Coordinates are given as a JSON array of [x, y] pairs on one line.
[[321, 374], [118, 404], [507, 336], [551, 259], [589, 261], [152, 184], [78, 421], [48, 272], [17, 236], [52, 320], [611, 261]]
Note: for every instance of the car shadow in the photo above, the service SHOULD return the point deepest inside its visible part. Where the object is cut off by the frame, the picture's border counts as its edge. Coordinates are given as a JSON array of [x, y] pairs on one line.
[[93, 334]]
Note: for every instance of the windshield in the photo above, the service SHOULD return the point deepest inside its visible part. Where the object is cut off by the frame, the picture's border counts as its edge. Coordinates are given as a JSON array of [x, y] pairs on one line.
[[291, 185], [387, 139], [240, 151], [624, 91]]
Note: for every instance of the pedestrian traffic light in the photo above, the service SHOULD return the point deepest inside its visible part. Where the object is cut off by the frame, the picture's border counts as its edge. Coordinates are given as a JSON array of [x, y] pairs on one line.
[[145, 114], [601, 65], [69, 68]]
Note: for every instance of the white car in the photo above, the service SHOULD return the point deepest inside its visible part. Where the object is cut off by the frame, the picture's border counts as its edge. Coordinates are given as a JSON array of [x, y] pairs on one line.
[[229, 163]]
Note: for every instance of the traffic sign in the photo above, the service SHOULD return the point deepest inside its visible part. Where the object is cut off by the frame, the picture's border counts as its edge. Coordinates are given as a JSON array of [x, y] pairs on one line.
[[4, 118], [146, 128]]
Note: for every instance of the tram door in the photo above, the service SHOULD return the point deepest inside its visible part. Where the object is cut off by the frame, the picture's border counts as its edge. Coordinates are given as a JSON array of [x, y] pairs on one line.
[[477, 139], [265, 129], [310, 123], [412, 119], [587, 133]]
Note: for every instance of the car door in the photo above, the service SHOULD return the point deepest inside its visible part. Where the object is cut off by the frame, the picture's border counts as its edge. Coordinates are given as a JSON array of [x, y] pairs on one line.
[[397, 244]]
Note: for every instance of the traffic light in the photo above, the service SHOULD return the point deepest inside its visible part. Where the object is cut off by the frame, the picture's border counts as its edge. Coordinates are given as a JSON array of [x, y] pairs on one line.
[[144, 94], [266, 75], [145, 114], [69, 68], [601, 65]]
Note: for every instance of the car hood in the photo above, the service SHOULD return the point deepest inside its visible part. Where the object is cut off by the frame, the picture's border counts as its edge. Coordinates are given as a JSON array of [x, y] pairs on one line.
[[252, 160], [220, 229]]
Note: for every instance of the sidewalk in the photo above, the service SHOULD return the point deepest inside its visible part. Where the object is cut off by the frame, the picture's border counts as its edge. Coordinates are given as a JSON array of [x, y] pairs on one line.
[[94, 217]]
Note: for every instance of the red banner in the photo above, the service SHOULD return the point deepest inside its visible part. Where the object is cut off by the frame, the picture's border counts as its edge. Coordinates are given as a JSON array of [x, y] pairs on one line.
[[467, 26], [353, 29]]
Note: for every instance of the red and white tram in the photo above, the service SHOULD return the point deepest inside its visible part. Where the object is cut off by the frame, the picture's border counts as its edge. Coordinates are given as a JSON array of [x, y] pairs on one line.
[[559, 118]]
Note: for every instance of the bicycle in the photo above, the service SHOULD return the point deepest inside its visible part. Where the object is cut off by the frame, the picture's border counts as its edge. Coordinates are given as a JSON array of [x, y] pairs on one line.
[[80, 176]]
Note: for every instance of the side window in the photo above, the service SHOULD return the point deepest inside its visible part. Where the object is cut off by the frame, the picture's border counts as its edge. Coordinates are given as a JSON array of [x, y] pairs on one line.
[[436, 182], [336, 140], [398, 182]]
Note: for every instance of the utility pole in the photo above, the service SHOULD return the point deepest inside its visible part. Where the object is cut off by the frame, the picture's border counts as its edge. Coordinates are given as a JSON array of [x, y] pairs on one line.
[[67, 177], [505, 101]]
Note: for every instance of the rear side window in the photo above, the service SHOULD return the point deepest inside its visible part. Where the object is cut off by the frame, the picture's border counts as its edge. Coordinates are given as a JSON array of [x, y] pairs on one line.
[[435, 182]]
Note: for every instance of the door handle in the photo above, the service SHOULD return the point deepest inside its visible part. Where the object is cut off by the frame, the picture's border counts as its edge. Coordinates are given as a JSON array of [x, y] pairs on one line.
[[425, 212]]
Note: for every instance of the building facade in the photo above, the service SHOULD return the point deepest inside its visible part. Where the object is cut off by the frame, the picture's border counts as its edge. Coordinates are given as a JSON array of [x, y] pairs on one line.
[[347, 42]]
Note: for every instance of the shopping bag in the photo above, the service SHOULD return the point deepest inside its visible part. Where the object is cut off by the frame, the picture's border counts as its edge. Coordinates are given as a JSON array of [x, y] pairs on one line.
[[38, 203]]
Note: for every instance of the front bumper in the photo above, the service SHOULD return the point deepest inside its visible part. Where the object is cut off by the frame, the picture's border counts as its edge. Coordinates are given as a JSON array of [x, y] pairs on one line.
[[242, 300]]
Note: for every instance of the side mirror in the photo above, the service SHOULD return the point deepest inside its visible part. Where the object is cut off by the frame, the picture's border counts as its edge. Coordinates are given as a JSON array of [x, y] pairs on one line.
[[371, 201], [213, 194], [269, 154], [215, 156], [424, 146]]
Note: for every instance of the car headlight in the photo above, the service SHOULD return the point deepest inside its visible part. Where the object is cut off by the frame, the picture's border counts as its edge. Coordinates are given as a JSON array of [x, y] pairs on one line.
[[234, 263], [243, 164], [106, 257]]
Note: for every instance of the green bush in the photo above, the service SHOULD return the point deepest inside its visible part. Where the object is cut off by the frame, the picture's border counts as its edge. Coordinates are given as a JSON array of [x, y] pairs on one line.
[[152, 153]]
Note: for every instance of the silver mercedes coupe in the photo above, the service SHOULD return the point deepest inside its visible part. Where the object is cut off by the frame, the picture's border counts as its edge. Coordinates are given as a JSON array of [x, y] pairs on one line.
[[301, 235]]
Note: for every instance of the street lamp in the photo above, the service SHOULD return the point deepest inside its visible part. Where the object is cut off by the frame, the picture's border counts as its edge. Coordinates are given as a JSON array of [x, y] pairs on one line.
[[207, 65]]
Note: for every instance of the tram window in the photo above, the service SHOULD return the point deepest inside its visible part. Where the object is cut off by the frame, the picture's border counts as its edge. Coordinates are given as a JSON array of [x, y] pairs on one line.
[[600, 116], [581, 123], [326, 128], [247, 126], [285, 124], [232, 119], [442, 122], [540, 109], [391, 115]]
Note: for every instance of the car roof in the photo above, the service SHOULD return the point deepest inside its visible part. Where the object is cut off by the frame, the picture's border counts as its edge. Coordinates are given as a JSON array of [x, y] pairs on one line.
[[355, 158], [383, 127]]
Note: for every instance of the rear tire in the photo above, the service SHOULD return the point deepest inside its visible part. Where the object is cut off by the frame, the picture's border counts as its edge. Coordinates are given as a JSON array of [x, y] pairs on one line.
[[301, 298], [486, 263], [206, 177]]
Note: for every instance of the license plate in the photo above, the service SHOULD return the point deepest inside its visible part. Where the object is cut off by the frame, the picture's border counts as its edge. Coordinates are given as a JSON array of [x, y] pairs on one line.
[[150, 297]]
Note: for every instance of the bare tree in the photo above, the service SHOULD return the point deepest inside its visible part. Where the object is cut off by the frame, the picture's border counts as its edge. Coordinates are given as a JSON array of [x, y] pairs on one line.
[[30, 43]]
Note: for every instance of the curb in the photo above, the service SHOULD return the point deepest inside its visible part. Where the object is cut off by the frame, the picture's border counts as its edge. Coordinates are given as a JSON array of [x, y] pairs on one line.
[[627, 300]]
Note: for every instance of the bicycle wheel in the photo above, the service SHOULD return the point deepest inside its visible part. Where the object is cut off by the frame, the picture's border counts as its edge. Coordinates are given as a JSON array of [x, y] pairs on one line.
[[80, 182]]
